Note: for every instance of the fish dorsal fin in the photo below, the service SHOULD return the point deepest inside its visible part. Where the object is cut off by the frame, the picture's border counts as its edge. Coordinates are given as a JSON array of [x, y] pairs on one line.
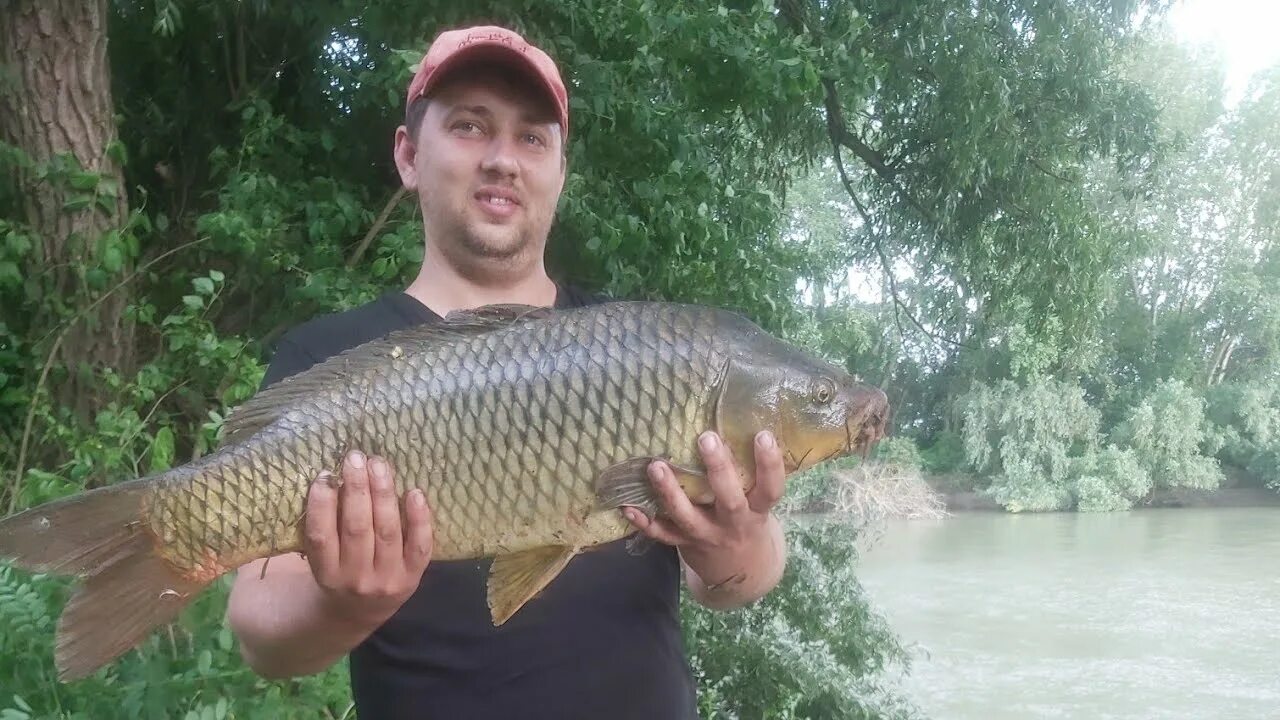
[[269, 404], [498, 314]]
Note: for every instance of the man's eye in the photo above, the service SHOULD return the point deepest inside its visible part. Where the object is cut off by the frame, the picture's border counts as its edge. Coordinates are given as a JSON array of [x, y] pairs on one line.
[[534, 139], [466, 126]]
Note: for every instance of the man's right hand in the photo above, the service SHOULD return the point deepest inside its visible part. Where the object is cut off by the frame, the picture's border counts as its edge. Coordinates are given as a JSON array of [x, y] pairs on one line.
[[362, 559]]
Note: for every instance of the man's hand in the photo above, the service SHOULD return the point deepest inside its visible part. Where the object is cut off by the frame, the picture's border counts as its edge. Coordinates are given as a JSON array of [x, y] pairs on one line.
[[365, 563], [296, 616], [733, 549]]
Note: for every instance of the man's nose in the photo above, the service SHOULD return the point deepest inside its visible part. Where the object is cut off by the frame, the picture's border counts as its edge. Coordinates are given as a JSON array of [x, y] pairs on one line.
[[500, 158]]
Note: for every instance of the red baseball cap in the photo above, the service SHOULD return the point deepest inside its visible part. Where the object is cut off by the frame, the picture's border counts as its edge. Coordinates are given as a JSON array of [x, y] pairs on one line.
[[454, 47]]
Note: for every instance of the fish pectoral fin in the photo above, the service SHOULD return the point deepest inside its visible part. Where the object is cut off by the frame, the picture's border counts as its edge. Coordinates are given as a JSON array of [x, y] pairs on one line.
[[627, 484], [514, 579], [639, 544]]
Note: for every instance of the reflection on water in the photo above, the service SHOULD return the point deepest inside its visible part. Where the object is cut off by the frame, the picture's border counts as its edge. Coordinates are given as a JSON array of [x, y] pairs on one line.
[[1148, 614]]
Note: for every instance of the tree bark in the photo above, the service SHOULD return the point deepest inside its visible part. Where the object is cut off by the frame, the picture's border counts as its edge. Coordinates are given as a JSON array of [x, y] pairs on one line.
[[1221, 356], [1220, 369], [56, 100]]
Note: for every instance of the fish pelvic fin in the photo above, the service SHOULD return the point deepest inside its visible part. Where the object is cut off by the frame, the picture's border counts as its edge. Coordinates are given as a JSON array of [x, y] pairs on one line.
[[514, 579], [125, 591]]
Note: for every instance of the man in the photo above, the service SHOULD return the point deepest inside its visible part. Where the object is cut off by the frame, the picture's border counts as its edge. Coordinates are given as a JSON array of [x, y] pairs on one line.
[[483, 147]]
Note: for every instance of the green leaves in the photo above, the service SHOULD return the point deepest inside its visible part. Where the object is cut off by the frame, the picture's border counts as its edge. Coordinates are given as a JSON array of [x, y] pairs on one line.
[[1167, 432], [814, 648], [84, 180], [161, 450], [203, 285], [1028, 439], [168, 19]]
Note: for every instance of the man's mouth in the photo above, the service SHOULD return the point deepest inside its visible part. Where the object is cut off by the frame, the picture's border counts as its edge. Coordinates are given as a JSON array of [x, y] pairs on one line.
[[494, 199], [497, 201]]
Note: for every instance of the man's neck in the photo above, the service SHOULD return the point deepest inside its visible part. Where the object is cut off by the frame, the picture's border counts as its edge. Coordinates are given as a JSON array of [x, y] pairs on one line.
[[443, 290]]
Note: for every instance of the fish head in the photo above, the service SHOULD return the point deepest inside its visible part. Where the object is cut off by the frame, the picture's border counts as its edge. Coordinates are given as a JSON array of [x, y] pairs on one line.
[[815, 410]]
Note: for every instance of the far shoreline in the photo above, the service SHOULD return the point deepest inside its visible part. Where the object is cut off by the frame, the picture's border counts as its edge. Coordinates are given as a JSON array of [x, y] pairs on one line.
[[958, 501]]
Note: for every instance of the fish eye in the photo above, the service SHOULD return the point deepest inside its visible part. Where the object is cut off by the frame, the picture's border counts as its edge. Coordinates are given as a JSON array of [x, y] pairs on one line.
[[824, 391]]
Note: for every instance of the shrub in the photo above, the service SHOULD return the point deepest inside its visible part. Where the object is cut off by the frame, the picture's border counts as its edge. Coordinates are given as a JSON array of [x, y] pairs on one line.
[[1027, 438], [1111, 480], [1167, 431], [946, 454], [900, 451], [1244, 420]]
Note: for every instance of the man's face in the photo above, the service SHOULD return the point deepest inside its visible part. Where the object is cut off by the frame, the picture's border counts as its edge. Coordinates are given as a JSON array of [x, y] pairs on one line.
[[488, 170]]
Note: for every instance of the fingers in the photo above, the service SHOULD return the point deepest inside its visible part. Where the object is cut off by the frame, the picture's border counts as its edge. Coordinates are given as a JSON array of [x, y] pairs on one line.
[[321, 529], [655, 528], [722, 474], [388, 542], [418, 538], [681, 514], [770, 474], [355, 513]]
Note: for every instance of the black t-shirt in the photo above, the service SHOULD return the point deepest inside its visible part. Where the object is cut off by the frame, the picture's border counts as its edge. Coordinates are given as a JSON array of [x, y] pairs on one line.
[[602, 640]]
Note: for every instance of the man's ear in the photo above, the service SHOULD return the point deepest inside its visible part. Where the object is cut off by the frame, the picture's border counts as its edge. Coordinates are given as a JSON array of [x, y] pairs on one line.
[[406, 153]]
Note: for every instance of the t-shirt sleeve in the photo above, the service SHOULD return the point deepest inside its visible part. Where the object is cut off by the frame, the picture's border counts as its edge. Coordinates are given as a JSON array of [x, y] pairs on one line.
[[289, 358]]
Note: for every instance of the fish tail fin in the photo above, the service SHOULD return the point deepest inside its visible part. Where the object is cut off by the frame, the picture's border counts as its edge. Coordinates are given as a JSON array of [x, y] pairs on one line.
[[114, 610], [127, 590], [76, 535]]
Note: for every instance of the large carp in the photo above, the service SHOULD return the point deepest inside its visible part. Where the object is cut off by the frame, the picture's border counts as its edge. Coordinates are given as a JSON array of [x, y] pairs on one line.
[[527, 428]]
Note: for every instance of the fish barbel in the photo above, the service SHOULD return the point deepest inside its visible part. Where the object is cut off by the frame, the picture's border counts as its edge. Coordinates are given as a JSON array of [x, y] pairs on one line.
[[527, 428]]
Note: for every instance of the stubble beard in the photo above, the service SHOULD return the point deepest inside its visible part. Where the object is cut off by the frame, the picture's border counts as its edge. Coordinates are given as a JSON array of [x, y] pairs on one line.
[[481, 244], [484, 255]]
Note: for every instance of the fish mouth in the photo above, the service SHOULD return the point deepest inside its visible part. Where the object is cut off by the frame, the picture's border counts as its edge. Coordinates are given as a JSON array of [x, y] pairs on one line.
[[865, 429]]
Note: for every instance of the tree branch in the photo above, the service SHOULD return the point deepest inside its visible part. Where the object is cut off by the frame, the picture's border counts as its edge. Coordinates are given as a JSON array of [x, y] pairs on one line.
[[840, 136], [884, 259], [376, 227], [835, 115], [1047, 171]]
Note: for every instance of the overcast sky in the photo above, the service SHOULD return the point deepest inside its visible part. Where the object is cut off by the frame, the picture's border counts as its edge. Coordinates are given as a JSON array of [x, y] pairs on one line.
[[1246, 32]]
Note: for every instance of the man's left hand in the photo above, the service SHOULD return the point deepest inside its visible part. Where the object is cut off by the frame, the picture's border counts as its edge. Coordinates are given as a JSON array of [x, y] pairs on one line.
[[733, 549]]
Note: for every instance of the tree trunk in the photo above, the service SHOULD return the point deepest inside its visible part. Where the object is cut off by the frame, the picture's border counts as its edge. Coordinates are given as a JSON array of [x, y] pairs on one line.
[[1222, 352], [1220, 372], [57, 100]]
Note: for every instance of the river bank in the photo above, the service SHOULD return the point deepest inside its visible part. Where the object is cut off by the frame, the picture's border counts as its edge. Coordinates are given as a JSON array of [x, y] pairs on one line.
[[886, 490], [1237, 497]]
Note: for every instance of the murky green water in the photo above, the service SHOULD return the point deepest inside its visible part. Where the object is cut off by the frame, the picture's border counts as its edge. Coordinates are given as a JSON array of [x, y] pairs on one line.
[[1150, 614]]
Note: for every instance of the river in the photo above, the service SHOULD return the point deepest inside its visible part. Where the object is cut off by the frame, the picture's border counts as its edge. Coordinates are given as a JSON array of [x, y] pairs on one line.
[[1147, 614]]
